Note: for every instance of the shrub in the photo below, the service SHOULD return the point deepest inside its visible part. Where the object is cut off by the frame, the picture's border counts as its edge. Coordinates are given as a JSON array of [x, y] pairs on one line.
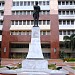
[[69, 59], [52, 66]]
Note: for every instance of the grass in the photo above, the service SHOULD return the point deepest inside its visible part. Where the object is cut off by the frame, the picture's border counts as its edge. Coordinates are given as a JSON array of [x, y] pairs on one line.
[[73, 68], [52, 66]]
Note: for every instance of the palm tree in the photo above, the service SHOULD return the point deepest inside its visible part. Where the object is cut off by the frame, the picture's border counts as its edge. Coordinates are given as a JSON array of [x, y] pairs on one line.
[[66, 41], [70, 41]]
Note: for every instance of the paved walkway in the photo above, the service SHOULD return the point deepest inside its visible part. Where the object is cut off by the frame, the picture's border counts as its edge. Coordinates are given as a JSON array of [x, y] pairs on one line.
[[58, 62]]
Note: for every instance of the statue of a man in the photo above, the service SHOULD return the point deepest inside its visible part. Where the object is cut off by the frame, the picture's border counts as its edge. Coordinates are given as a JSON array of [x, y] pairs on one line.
[[36, 13]]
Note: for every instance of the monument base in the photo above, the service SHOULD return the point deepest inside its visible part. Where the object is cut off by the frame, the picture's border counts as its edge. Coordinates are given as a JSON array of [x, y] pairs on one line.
[[34, 64]]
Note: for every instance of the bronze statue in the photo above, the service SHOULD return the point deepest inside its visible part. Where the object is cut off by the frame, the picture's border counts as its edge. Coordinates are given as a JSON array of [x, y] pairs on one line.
[[36, 13]]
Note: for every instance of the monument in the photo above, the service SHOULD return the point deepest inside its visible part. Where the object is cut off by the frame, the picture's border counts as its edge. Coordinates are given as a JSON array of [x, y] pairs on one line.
[[35, 59], [34, 64]]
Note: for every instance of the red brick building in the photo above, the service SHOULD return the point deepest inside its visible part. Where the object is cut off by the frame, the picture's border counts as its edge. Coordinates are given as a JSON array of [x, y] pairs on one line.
[[16, 22]]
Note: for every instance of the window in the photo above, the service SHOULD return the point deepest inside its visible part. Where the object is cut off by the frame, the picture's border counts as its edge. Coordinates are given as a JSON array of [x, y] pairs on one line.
[[17, 3], [24, 12], [12, 23], [59, 2], [32, 3], [70, 2], [2, 3], [63, 2], [40, 22], [64, 22], [28, 12], [20, 12], [16, 22], [74, 2], [64, 32], [27, 33], [28, 3], [44, 22], [60, 22], [13, 12], [68, 22], [68, 32], [48, 22], [74, 12], [72, 31], [31, 12], [48, 12], [24, 22], [47, 2], [1, 22], [24, 3], [44, 32], [67, 2], [19, 32], [21, 3], [48, 32], [72, 22], [28, 22], [71, 12], [0, 32], [2, 13], [32, 22], [17, 12], [44, 12], [60, 32], [16, 32], [45, 45], [20, 22], [59, 12], [43, 2], [14, 4], [67, 12], [40, 2], [19, 45], [46, 55], [63, 12], [12, 32]]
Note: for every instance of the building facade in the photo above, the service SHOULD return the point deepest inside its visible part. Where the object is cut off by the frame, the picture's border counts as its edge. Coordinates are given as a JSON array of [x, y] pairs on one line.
[[57, 19]]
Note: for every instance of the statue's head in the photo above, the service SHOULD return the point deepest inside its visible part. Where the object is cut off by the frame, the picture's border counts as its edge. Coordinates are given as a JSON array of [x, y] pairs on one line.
[[36, 2]]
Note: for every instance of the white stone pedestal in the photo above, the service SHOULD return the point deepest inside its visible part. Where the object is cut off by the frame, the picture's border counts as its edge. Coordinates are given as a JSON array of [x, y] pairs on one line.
[[35, 50], [35, 59], [34, 64]]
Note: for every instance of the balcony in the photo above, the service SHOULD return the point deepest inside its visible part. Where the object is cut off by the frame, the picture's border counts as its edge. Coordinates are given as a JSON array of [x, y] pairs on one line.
[[1, 17], [66, 6], [66, 16], [30, 7], [0, 37], [28, 27], [66, 27], [1, 26], [1, 7]]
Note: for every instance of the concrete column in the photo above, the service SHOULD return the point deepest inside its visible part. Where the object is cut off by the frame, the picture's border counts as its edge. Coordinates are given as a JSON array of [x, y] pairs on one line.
[[54, 38], [6, 29]]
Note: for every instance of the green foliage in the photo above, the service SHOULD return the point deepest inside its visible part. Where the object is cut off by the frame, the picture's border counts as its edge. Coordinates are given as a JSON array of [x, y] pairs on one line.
[[69, 59], [2, 66], [15, 67], [19, 66], [73, 68], [52, 66], [69, 41]]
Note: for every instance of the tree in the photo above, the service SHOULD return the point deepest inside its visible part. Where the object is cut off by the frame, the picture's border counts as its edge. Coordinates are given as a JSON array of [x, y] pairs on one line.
[[70, 41]]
